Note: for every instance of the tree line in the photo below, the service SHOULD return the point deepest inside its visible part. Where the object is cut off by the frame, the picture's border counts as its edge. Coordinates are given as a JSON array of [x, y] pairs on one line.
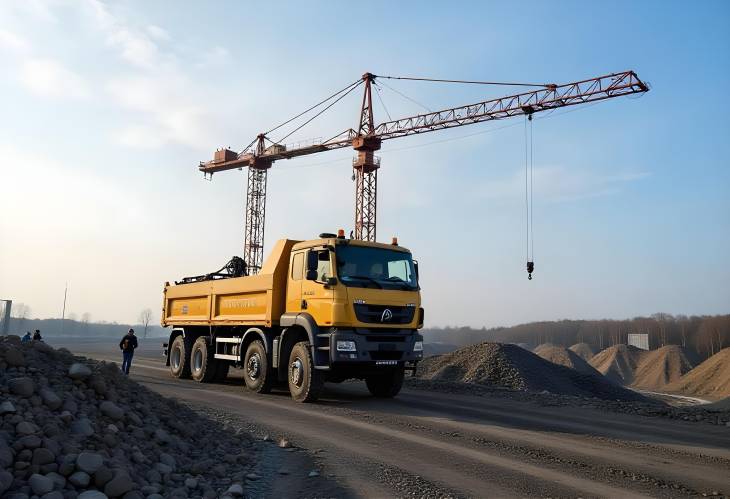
[[703, 335]]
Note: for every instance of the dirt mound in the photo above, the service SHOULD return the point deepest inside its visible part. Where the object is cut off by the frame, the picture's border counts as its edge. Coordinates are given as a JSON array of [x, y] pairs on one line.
[[584, 350], [69, 425], [711, 379], [618, 363], [510, 366], [657, 368], [564, 357]]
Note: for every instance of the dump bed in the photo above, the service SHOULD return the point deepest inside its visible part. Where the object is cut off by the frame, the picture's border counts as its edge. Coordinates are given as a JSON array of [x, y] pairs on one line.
[[252, 300]]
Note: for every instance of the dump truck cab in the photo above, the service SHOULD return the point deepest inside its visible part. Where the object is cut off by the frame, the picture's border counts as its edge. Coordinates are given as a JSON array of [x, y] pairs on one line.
[[323, 310]]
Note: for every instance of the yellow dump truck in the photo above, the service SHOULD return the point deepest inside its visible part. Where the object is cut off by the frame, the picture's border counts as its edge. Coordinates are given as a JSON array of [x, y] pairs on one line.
[[323, 310]]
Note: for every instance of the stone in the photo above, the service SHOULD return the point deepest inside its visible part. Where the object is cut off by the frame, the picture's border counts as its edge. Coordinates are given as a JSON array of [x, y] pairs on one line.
[[89, 462], [168, 460], [78, 371], [80, 479], [43, 456], [153, 476], [163, 468], [25, 428], [6, 456], [191, 483], [23, 387], [58, 480], [119, 485], [161, 436], [92, 494], [111, 410], [7, 407], [6, 480], [56, 494], [82, 427], [30, 442], [112, 428], [155, 496], [14, 357], [50, 399], [313, 473], [235, 490], [252, 476], [133, 494], [102, 476], [40, 484]]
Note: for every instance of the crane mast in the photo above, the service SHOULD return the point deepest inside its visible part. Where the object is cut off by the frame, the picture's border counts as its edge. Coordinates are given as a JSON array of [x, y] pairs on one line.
[[368, 137]]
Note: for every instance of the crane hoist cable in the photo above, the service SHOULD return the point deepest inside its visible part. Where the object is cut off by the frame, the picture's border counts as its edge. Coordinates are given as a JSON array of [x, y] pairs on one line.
[[529, 169]]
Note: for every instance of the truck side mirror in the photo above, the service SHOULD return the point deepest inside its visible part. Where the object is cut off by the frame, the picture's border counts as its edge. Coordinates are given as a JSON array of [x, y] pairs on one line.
[[415, 267], [311, 275]]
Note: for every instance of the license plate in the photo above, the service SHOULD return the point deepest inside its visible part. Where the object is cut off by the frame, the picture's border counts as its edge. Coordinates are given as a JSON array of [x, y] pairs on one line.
[[386, 362]]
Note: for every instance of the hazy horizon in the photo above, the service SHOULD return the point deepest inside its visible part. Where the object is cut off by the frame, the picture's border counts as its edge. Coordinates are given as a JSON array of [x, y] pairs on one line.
[[109, 107]]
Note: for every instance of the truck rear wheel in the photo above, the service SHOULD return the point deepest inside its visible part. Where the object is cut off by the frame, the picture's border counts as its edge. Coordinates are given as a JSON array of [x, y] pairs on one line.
[[256, 368], [305, 382], [203, 366], [180, 358], [386, 385]]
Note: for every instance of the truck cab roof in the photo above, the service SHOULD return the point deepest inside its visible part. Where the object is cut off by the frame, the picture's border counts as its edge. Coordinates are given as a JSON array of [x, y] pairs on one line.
[[335, 241]]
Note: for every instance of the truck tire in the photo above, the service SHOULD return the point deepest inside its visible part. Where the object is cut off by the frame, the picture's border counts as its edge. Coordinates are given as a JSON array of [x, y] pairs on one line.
[[180, 358], [203, 366], [305, 382], [386, 385], [256, 371]]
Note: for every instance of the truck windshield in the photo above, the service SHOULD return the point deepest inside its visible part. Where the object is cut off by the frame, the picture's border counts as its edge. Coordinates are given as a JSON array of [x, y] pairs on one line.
[[361, 266]]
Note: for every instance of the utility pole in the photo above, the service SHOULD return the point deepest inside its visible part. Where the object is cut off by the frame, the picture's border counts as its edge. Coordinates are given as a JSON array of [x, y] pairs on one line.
[[63, 311]]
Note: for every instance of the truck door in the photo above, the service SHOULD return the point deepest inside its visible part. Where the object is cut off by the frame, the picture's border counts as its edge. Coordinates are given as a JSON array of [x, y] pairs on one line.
[[317, 295], [294, 283]]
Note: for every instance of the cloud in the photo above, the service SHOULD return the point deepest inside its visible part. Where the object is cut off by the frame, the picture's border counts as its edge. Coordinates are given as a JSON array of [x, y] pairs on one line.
[[13, 42], [158, 33], [560, 184], [49, 78]]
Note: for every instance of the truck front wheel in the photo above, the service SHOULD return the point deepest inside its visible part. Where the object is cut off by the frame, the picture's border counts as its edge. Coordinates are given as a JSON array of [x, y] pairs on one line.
[[203, 366], [256, 368], [386, 385], [180, 358], [305, 382]]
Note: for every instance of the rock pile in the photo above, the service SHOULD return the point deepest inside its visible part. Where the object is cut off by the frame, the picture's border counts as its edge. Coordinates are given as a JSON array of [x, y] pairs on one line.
[[618, 363], [711, 379], [565, 357], [584, 350], [509, 366], [72, 428]]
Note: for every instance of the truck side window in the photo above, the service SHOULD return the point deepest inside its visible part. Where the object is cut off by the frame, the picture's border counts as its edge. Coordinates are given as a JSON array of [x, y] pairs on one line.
[[324, 267], [297, 267]]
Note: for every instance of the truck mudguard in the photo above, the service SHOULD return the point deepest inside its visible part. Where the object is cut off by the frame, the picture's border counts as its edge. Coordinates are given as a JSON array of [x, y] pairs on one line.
[[302, 320]]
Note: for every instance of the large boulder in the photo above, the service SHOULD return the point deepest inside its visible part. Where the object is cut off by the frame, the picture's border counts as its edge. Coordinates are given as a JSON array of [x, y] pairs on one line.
[[89, 462], [40, 484], [112, 410], [79, 371], [50, 399], [14, 357], [23, 387]]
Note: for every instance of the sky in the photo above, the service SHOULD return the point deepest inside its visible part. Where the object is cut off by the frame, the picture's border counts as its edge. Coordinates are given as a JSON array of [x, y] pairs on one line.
[[108, 108]]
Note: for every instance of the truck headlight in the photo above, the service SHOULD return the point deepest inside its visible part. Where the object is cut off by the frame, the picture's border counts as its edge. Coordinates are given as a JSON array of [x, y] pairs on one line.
[[418, 346], [346, 346]]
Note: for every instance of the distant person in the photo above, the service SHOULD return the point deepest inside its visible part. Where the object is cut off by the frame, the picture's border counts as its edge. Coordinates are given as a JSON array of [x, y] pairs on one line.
[[26, 338], [128, 344], [37, 335]]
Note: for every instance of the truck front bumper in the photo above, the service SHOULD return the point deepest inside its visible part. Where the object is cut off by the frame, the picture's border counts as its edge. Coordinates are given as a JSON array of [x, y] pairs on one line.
[[386, 347]]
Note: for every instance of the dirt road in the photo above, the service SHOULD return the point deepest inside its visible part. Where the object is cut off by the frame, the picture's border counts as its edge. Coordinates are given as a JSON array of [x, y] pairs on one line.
[[434, 444]]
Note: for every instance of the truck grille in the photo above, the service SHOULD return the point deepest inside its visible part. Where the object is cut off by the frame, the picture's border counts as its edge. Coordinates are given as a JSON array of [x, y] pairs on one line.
[[386, 355], [377, 314]]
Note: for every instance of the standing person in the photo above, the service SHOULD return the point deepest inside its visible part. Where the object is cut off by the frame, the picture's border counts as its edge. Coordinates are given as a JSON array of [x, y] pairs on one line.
[[128, 344], [37, 335]]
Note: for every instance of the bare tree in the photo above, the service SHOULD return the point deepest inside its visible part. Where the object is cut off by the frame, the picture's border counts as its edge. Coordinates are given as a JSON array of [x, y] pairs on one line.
[[145, 317], [20, 312]]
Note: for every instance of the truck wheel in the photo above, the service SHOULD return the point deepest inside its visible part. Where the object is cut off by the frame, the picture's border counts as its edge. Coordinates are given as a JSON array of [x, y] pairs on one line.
[[180, 358], [386, 385], [221, 373], [256, 368], [202, 363], [305, 382]]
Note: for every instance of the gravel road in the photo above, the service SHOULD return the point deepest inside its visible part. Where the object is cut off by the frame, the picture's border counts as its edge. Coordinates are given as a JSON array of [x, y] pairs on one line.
[[430, 444]]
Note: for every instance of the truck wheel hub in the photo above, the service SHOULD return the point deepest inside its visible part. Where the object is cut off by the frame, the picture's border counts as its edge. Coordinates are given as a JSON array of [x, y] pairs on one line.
[[297, 371], [253, 367], [176, 358]]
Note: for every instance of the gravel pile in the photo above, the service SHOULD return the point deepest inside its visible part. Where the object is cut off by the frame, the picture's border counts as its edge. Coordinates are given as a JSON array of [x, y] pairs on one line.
[[711, 379], [584, 350], [658, 368], [564, 357], [71, 427], [509, 366], [618, 363]]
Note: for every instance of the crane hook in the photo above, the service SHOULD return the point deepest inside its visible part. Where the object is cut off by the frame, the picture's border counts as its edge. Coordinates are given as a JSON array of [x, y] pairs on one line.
[[530, 270]]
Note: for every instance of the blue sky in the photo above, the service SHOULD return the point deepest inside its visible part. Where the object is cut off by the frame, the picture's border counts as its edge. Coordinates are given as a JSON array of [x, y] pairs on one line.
[[108, 108]]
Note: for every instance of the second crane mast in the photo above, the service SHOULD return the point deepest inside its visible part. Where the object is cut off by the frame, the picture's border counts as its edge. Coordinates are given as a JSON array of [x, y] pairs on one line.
[[368, 137]]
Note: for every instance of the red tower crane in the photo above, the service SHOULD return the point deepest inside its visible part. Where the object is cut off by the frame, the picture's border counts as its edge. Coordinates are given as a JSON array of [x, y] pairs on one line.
[[262, 152]]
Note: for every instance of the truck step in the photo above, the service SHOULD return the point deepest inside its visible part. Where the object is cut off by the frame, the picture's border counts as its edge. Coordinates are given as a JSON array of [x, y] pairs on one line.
[[324, 348]]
